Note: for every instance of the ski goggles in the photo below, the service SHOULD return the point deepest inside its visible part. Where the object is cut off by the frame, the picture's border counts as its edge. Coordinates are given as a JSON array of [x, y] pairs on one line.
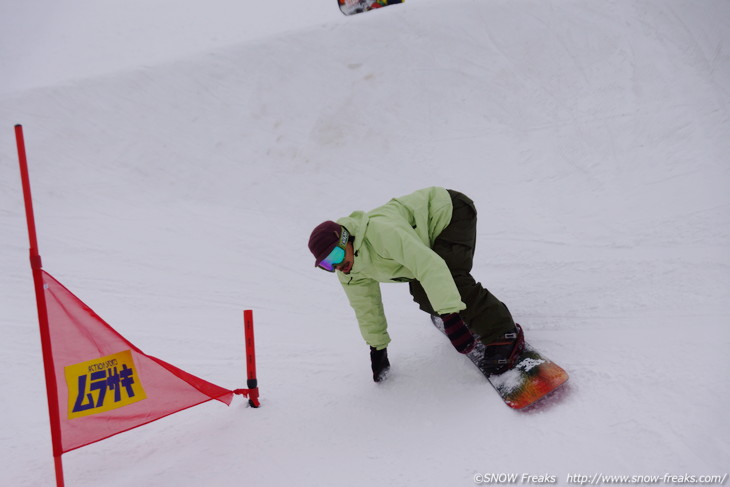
[[337, 255]]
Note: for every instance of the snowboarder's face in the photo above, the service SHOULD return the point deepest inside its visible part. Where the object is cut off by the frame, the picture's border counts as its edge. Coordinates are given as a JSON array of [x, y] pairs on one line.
[[346, 265]]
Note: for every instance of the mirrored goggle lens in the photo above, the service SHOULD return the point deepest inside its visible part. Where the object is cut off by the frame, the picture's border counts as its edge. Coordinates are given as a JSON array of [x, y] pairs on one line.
[[335, 258]]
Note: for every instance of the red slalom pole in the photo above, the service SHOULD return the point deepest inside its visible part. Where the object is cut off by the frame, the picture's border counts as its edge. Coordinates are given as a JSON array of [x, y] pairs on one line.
[[36, 268], [252, 383]]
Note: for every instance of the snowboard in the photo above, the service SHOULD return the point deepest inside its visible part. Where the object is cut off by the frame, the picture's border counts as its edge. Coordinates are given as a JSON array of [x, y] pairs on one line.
[[532, 378], [350, 7]]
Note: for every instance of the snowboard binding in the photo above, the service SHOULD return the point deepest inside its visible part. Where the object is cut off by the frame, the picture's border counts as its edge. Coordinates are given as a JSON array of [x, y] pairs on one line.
[[502, 354]]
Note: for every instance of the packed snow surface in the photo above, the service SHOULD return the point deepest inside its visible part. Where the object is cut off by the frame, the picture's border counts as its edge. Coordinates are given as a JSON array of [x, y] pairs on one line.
[[181, 152]]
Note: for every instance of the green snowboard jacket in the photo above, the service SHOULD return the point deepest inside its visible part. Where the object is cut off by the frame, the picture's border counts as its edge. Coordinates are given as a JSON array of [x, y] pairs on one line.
[[392, 243]]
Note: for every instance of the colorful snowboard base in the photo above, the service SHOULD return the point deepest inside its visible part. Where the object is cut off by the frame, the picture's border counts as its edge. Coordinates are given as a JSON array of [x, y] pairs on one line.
[[531, 379], [351, 7]]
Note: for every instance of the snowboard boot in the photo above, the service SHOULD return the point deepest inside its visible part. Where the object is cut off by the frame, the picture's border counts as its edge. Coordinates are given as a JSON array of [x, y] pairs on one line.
[[502, 354]]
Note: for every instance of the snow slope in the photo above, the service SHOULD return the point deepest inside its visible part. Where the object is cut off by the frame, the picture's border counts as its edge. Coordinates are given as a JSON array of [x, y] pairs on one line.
[[179, 160]]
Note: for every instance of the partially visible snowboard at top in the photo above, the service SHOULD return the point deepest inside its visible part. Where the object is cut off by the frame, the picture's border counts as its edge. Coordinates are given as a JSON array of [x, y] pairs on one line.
[[350, 7], [532, 378]]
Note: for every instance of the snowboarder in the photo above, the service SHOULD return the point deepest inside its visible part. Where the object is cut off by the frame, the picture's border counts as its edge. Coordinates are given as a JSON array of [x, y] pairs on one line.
[[350, 7], [426, 238]]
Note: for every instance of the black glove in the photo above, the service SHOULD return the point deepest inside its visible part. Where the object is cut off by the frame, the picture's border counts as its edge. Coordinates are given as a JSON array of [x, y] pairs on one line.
[[460, 336], [380, 363]]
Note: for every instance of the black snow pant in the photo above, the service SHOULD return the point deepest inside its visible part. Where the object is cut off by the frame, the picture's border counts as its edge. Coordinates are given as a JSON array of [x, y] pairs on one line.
[[486, 316]]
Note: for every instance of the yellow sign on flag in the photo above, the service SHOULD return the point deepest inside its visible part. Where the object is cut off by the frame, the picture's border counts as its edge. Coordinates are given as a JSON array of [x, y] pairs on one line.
[[102, 384]]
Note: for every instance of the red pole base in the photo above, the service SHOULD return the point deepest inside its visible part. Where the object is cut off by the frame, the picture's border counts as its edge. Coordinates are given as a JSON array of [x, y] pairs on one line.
[[251, 394]]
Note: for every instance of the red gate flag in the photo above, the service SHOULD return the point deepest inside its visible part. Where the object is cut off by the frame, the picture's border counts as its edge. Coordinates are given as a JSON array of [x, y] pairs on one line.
[[97, 383], [106, 385]]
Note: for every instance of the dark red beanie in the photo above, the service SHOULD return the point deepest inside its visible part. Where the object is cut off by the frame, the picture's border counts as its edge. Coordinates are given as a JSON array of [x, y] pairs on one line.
[[324, 239]]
